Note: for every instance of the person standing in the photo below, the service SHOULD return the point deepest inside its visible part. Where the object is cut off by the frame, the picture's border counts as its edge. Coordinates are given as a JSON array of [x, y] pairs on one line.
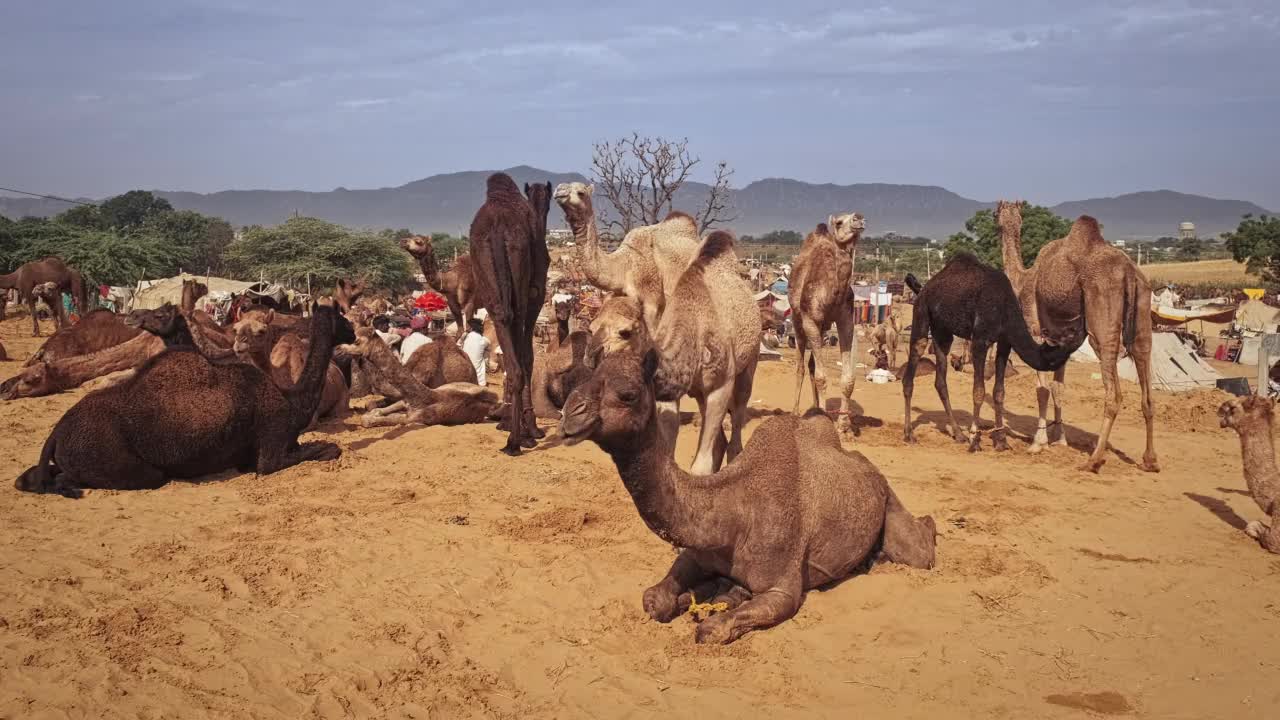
[[476, 346]]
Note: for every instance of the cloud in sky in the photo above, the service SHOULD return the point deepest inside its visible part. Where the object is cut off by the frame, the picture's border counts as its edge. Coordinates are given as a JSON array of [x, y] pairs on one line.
[[1041, 99]]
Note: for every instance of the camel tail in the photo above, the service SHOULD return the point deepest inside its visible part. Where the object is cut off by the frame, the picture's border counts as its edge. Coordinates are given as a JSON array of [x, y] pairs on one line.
[[1131, 309], [914, 284], [43, 477]]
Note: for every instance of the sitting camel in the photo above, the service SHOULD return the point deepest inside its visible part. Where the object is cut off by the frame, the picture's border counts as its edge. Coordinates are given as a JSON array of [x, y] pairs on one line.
[[183, 416], [98, 330], [1252, 419], [285, 359], [47, 378], [974, 301], [794, 512], [885, 337], [458, 403]]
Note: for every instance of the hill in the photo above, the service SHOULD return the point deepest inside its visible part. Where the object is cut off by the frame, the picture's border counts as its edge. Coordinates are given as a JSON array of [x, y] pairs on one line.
[[446, 203]]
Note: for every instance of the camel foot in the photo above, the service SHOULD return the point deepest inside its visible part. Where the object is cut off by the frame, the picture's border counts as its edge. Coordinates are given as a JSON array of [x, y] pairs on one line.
[[1256, 529], [1061, 442], [715, 630], [320, 451], [661, 604], [1150, 465], [510, 449], [844, 424], [1093, 465], [528, 443], [999, 441], [538, 433], [909, 438], [975, 442], [959, 437]]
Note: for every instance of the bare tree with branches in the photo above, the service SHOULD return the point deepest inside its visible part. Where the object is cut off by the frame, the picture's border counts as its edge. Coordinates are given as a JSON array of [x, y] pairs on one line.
[[641, 175]]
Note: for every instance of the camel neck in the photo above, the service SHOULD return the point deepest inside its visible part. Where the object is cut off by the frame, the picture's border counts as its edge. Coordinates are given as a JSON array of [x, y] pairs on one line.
[[304, 395], [595, 261], [430, 269], [674, 504], [1011, 252], [1257, 450]]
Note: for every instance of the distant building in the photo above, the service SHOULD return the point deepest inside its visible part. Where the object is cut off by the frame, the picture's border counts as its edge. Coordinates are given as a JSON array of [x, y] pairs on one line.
[[1118, 243], [1187, 231]]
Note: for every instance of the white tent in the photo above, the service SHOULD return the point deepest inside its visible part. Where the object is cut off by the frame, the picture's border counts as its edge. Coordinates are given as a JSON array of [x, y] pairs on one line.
[[1257, 315], [1175, 366], [152, 294]]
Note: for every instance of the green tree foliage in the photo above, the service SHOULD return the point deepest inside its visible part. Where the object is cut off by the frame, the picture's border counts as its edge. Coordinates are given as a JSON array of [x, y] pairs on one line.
[[776, 237], [305, 246], [103, 256], [1256, 242], [982, 237], [132, 209], [83, 216], [1188, 249], [205, 237]]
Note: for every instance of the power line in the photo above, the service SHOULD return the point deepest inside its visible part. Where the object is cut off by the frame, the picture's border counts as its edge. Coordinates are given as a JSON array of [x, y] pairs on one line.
[[49, 197]]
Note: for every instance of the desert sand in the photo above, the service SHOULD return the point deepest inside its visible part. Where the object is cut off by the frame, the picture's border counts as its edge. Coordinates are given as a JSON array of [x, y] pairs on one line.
[[425, 575]]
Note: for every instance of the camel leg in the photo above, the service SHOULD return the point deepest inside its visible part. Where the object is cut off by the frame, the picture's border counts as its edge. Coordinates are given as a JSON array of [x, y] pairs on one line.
[[764, 610], [1058, 391], [663, 601], [35, 317], [818, 375], [801, 362], [979, 350], [738, 410], [908, 540], [848, 354], [1268, 536], [919, 345], [1041, 440], [1111, 391], [275, 459], [513, 383], [1142, 362], [998, 435], [941, 349], [714, 408]]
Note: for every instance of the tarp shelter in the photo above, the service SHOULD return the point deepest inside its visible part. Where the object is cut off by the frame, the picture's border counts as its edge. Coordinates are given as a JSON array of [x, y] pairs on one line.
[[1257, 315], [1175, 365], [151, 294], [773, 301], [780, 286]]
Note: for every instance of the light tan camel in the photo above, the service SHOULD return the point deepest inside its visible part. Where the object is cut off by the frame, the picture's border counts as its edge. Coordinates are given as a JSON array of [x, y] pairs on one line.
[[647, 264], [285, 359], [709, 341], [1252, 419], [1082, 281], [886, 339], [457, 284], [52, 377], [819, 296]]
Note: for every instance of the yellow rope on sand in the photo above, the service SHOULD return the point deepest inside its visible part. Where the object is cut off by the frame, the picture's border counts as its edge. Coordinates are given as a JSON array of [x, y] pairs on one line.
[[702, 611]]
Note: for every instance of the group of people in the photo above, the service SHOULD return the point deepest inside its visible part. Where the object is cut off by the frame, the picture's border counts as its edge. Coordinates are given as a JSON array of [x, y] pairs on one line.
[[476, 346]]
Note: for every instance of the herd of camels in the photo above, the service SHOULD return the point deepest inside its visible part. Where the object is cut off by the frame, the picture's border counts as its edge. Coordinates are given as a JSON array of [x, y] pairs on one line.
[[789, 511]]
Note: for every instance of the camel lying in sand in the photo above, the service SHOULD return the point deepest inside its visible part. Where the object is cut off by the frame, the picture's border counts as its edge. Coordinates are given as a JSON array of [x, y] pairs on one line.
[[1252, 419], [795, 511]]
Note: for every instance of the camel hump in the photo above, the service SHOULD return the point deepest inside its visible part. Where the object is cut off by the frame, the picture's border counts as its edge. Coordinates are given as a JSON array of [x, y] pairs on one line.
[[718, 244], [501, 184], [678, 215], [822, 229], [1087, 229]]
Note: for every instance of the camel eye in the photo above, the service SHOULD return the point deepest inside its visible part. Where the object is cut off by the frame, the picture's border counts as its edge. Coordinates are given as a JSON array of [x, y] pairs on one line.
[[624, 334]]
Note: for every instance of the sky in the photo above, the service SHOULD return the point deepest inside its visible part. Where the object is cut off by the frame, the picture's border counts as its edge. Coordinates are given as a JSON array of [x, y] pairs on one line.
[[1049, 101]]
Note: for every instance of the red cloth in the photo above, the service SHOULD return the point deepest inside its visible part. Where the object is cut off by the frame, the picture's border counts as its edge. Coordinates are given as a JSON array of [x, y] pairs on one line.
[[104, 290], [430, 301]]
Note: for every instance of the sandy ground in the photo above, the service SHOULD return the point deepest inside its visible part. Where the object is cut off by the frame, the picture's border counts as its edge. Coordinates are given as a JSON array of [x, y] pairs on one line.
[[425, 575]]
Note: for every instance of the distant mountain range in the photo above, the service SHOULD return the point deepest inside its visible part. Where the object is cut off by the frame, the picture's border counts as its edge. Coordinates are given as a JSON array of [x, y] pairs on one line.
[[446, 203]]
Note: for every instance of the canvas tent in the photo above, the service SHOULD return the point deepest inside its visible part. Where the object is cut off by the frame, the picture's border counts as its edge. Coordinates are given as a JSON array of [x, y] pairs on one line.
[[1175, 366], [1257, 315], [151, 294]]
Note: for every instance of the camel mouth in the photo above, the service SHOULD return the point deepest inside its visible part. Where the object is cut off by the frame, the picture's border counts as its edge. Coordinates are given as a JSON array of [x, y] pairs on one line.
[[575, 427]]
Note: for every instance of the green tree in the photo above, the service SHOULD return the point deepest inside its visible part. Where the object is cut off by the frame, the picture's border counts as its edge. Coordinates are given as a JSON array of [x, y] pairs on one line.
[[1188, 248], [83, 216], [1256, 242], [104, 256], [206, 238], [132, 209], [982, 237], [304, 246]]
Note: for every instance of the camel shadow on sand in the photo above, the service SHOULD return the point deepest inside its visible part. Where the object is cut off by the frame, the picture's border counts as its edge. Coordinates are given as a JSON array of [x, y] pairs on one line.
[[1219, 508]]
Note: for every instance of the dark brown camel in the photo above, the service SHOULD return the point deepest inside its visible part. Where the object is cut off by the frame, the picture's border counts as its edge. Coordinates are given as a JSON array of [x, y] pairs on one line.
[[974, 301], [509, 249], [184, 416], [192, 291], [283, 357], [441, 363], [457, 284], [793, 512], [50, 269]]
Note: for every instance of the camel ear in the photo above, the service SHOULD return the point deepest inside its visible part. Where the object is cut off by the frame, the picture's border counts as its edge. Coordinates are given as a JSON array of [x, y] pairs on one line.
[[591, 189], [526, 188], [831, 221], [549, 191], [271, 315], [649, 365]]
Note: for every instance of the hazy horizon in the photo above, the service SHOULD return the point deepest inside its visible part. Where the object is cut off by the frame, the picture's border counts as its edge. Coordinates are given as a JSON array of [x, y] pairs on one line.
[[993, 99]]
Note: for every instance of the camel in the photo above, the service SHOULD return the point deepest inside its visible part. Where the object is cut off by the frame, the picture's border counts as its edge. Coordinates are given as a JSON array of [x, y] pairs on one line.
[[98, 330], [648, 263], [47, 378], [974, 301], [1081, 281], [458, 403], [457, 284], [709, 342], [192, 291], [509, 249], [793, 512], [438, 363], [1252, 419], [886, 339], [284, 361], [49, 294], [50, 269], [563, 312], [819, 296], [172, 325], [183, 416]]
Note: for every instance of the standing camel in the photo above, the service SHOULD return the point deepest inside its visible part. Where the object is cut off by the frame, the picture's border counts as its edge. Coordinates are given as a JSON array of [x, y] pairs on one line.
[[819, 296], [974, 301], [509, 247], [50, 269], [1081, 281], [457, 284]]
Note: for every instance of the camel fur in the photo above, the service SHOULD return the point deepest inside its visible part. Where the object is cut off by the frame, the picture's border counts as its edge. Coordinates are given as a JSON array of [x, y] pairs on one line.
[[98, 330], [974, 301], [457, 284], [284, 361], [509, 251], [184, 416], [1081, 282], [819, 296], [1252, 419], [47, 378], [50, 269], [792, 513]]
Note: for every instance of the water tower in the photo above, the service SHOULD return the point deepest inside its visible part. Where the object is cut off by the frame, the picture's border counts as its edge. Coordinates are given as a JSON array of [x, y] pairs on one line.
[[1187, 231]]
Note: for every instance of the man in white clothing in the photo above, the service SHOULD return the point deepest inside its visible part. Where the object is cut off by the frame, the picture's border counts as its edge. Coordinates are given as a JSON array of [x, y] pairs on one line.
[[382, 326], [416, 339], [476, 346]]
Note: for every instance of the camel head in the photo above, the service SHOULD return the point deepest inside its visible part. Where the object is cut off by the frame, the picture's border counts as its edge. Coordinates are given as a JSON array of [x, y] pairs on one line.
[[196, 288], [539, 195], [618, 327], [33, 381], [162, 321], [846, 229], [615, 406], [1248, 414], [574, 199], [564, 310], [253, 334], [360, 347], [1009, 214], [347, 293], [48, 292], [417, 245]]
